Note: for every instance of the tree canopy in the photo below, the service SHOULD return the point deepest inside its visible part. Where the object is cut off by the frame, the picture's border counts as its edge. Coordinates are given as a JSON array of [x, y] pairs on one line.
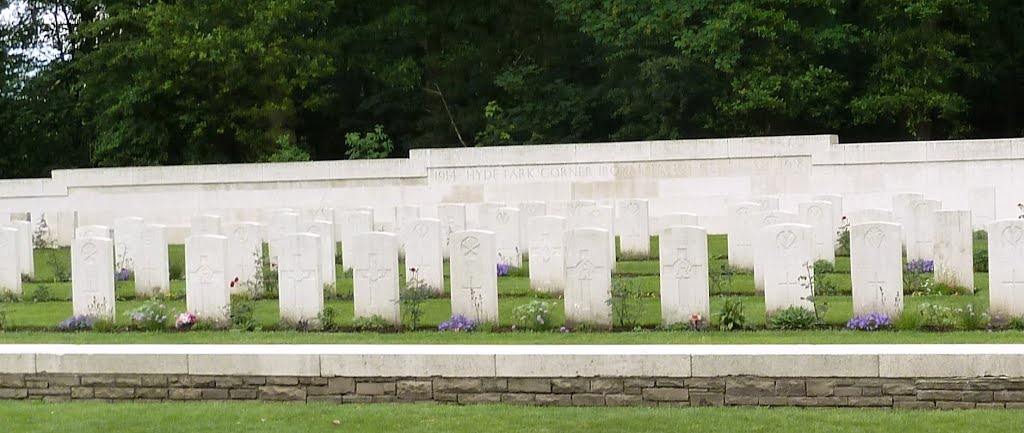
[[89, 83]]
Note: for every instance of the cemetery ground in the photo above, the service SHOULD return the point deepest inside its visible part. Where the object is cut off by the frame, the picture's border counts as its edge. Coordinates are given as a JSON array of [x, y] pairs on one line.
[[46, 302], [282, 417]]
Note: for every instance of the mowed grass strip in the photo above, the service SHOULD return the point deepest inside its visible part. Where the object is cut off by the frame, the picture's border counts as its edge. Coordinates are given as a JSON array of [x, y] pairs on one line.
[[34, 417]]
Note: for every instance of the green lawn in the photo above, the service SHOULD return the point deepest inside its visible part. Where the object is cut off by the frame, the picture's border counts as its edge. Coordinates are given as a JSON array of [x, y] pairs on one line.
[[24, 320], [33, 417]]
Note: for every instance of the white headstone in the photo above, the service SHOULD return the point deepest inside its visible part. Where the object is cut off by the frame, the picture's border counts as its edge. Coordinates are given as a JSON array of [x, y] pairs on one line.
[[92, 277], [245, 252], [353, 223], [876, 268], [206, 283], [328, 251], [94, 231], [127, 237], [588, 215], [902, 209], [678, 219], [318, 214], [588, 274], [453, 219], [818, 214], [474, 275], [919, 229], [837, 207], [767, 202], [205, 225], [742, 230], [300, 285], [954, 249], [683, 253], [634, 227], [423, 253], [547, 253], [504, 223], [485, 214], [788, 266], [375, 276], [761, 220], [10, 271], [26, 258], [405, 213], [528, 210], [871, 215], [1005, 268], [152, 276], [56, 227], [281, 224]]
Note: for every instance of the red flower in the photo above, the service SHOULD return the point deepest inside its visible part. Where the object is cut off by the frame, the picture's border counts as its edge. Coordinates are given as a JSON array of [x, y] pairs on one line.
[[236, 280], [232, 284], [412, 269]]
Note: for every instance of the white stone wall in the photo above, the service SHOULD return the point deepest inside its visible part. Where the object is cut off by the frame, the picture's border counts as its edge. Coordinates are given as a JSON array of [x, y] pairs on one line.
[[697, 176]]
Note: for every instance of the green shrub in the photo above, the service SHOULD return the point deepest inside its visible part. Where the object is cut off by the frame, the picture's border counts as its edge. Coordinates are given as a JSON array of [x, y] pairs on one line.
[[152, 315], [1016, 323], [243, 313], [843, 241], [937, 317], [981, 261], [105, 325], [731, 315], [627, 302], [328, 319], [176, 271], [7, 296], [823, 283], [374, 323], [721, 279], [794, 318], [535, 315], [972, 320], [4, 322], [411, 300], [909, 321], [42, 293]]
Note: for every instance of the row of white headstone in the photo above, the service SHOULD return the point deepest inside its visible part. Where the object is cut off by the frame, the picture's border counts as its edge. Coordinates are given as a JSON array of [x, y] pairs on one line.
[[927, 232]]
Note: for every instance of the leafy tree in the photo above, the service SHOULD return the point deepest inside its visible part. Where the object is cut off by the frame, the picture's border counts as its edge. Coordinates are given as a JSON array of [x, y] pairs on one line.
[[373, 145]]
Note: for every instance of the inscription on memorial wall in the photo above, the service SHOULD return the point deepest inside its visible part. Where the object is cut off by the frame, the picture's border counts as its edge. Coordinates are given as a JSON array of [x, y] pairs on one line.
[[619, 170]]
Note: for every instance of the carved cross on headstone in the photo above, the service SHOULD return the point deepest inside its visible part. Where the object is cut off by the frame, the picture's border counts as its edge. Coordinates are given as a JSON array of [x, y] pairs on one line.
[[203, 271], [681, 267], [585, 269], [1014, 283], [297, 273], [373, 274], [789, 283], [544, 251]]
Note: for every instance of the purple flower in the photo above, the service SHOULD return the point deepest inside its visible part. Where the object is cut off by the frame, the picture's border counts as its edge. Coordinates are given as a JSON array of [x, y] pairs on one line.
[[871, 322], [78, 322], [920, 266], [458, 323], [123, 275], [503, 269]]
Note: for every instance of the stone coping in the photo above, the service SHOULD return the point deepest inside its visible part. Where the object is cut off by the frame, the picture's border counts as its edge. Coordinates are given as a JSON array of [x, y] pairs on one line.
[[863, 361]]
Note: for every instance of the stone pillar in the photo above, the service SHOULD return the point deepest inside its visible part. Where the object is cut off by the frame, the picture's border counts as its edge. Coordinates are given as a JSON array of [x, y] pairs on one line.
[[328, 250], [903, 209], [10, 269], [919, 229], [818, 214], [26, 246], [353, 223], [741, 234]]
